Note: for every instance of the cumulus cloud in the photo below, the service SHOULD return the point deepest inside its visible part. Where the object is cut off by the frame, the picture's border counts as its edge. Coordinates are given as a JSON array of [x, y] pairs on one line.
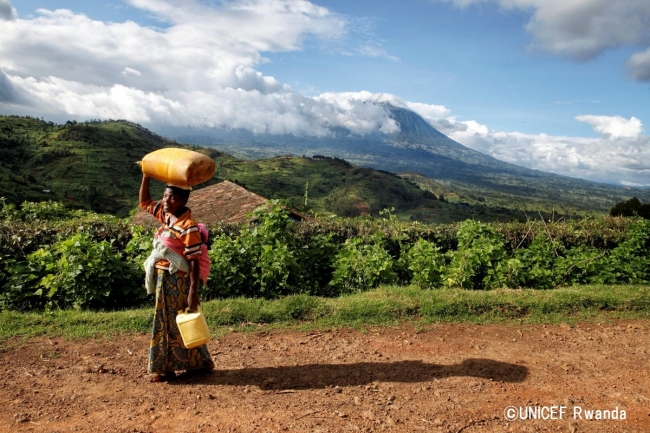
[[614, 126], [201, 48], [639, 65], [198, 69], [128, 70], [7, 12], [8, 93], [620, 155], [583, 29]]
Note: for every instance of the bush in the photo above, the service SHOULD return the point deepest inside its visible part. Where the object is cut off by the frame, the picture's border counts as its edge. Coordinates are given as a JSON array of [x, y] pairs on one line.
[[138, 249], [360, 266], [629, 262], [229, 271], [534, 266], [315, 255], [76, 272], [477, 262], [52, 257], [260, 261], [630, 208], [425, 264]]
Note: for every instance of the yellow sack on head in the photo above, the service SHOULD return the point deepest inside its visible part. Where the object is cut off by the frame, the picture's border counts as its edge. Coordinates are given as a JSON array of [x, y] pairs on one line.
[[180, 167]]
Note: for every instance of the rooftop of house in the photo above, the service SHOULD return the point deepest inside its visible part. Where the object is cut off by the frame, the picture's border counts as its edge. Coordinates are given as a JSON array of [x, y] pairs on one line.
[[223, 202]]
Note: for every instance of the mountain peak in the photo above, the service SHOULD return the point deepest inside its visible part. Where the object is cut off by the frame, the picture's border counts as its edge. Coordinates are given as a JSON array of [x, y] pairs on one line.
[[415, 130]]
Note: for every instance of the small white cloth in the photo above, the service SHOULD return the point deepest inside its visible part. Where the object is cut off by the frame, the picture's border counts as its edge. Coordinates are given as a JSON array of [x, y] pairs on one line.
[[160, 252]]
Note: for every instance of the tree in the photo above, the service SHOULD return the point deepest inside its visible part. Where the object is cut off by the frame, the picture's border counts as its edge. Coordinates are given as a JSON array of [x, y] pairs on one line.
[[631, 207]]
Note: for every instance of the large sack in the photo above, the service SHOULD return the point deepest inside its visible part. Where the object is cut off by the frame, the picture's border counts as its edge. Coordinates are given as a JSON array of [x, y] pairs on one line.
[[179, 167]]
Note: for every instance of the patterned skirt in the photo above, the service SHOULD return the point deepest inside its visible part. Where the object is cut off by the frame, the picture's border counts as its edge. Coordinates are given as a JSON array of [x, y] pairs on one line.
[[167, 351]]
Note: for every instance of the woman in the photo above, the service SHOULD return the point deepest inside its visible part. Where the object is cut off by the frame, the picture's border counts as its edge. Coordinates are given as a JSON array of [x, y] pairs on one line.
[[178, 257]]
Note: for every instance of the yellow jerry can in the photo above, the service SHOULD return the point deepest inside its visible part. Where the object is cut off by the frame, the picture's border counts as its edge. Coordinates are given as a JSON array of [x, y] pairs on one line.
[[193, 328]]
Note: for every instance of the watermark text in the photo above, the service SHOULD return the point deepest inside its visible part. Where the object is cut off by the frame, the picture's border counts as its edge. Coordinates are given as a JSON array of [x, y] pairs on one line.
[[524, 413]]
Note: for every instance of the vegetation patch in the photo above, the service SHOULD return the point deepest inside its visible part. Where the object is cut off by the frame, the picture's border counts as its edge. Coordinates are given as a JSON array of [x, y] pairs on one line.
[[387, 305], [85, 260]]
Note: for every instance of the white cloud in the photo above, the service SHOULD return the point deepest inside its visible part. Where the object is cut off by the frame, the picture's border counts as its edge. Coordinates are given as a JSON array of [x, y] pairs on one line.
[[280, 113], [613, 126], [199, 69], [128, 70], [8, 93], [368, 44], [621, 155], [376, 51], [203, 47], [583, 29], [7, 12]]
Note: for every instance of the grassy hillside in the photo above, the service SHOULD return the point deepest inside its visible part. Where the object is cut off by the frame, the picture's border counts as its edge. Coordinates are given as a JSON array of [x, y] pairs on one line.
[[85, 165], [91, 165], [473, 177], [334, 186], [573, 204], [469, 183]]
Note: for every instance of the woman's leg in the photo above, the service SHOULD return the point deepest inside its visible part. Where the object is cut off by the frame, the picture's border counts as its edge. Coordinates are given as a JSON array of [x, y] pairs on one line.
[[167, 352], [159, 346]]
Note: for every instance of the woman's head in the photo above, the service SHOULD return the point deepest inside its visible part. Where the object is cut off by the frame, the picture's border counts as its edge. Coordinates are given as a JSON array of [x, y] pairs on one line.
[[174, 199]]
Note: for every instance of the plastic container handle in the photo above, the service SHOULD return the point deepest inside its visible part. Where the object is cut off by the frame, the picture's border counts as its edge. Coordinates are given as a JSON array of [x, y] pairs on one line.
[[187, 310]]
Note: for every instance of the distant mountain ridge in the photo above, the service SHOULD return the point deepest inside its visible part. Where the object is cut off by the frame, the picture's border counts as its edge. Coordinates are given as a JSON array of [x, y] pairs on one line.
[[91, 165], [421, 149], [415, 135]]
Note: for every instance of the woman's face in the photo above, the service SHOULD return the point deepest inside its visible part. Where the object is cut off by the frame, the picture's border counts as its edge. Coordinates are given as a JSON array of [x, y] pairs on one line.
[[172, 203]]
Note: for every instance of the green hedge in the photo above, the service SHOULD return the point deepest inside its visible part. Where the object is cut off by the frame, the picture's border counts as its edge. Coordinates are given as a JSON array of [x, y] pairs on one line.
[[51, 257]]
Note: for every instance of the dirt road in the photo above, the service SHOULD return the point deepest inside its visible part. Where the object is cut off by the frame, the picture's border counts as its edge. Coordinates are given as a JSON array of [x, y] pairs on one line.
[[445, 378]]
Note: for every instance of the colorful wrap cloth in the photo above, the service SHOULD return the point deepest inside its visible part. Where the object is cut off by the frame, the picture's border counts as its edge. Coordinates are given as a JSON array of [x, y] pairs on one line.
[[166, 350], [170, 249]]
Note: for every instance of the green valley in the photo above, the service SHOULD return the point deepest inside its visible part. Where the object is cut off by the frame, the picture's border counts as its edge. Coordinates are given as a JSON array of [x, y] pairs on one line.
[[91, 165]]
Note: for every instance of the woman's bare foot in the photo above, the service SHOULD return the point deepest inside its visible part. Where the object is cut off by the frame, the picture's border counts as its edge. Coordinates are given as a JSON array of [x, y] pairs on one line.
[[169, 375]]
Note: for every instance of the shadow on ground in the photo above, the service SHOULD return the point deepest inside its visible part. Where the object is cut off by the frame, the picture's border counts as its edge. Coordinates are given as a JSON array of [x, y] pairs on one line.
[[314, 376]]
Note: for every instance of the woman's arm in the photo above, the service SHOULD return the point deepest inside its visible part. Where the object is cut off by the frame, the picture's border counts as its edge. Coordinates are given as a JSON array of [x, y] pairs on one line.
[[145, 195], [193, 294]]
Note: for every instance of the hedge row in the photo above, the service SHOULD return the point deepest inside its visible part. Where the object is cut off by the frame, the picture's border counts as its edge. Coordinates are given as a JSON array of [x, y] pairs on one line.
[[51, 257]]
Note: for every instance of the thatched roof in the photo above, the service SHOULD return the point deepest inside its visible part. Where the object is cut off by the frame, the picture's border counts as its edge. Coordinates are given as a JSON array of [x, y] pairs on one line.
[[223, 202]]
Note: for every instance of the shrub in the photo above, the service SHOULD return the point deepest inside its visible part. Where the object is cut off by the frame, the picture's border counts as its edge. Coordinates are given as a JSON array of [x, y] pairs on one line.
[[533, 267], [137, 250], [361, 266], [425, 264], [629, 262], [76, 272], [631, 207], [476, 263], [40, 267], [315, 255], [260, 261]]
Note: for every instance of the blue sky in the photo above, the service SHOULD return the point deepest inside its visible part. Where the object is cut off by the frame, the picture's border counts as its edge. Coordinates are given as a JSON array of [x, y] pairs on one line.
[[556, 85]]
